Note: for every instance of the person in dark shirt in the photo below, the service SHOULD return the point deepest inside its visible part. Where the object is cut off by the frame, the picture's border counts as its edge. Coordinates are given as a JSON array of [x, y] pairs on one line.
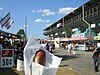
[[47, 46], [95, 57]]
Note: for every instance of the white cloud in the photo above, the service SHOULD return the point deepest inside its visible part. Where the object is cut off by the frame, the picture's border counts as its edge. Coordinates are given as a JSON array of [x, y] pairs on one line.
[[33, 11], [46, 12], [47, 20], [1, 8], [41, 20], [66, 10]]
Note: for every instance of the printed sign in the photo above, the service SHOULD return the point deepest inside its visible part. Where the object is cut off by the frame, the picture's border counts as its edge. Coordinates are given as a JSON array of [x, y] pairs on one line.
[[7, 59]]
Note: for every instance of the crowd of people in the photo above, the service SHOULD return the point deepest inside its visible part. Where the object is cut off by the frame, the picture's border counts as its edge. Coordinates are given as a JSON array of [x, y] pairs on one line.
[[71, 47], [7, 44], [48, 46]]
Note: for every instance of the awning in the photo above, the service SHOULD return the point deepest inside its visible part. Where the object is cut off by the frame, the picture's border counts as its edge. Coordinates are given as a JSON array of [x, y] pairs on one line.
[[73, 39]]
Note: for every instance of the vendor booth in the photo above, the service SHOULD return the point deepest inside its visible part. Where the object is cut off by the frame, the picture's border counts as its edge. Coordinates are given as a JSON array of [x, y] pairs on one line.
[[58, 41], [85, 39], [7, 49]]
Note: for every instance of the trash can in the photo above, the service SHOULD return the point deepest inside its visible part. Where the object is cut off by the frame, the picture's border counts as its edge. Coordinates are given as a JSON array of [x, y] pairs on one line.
[[20, 62]]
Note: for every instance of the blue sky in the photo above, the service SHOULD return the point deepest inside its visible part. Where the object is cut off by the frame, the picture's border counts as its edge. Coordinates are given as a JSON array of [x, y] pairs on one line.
[[39, 13]]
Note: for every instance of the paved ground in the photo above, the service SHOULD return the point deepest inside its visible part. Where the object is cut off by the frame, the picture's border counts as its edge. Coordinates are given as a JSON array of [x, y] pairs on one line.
[[81, 62]]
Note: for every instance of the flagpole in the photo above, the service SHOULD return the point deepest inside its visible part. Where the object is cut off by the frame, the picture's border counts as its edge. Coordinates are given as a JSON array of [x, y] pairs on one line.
[[25, 28]]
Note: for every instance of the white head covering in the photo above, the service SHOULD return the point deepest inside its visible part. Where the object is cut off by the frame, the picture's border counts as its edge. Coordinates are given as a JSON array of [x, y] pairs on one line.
[[98, 44], [51, 65]]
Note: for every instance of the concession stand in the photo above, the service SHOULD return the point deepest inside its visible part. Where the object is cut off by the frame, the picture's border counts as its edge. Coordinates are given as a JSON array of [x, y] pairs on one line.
[[7, 49], [85, 41]]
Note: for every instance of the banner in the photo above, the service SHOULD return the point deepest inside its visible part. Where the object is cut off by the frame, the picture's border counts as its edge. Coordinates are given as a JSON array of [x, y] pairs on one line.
[[5, 19], [32, 68], [9, 23]]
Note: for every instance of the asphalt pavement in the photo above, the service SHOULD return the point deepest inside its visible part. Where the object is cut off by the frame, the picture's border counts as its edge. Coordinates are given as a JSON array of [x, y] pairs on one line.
[[81, 61]]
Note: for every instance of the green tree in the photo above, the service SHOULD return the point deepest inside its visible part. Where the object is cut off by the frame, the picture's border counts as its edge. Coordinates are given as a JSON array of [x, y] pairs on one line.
[[21, 32]]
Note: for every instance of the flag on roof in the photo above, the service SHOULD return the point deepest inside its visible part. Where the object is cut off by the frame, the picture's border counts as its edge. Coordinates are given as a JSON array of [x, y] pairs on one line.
[[5, 19], [9, 23]]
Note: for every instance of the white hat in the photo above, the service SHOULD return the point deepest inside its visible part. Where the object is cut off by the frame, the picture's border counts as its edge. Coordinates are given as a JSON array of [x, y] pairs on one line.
[[98, 44]]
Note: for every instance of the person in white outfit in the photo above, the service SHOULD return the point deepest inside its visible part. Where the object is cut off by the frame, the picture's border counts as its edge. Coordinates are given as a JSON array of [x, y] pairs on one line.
[[70, 48]]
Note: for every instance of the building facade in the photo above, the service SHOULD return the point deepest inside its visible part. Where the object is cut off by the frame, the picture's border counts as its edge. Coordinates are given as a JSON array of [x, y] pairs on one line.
[[85, 16]]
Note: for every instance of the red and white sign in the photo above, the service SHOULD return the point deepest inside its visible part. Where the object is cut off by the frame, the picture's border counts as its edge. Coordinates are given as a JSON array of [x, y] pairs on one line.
[[7, 58], [72, 39]]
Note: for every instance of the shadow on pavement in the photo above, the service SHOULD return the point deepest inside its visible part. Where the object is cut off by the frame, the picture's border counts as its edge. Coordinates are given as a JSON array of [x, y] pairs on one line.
[[7, 71], [67, 57], [63, 65]]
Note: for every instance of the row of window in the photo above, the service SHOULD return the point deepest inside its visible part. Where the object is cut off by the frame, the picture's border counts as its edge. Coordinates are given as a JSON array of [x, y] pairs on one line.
[[88, 13]]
